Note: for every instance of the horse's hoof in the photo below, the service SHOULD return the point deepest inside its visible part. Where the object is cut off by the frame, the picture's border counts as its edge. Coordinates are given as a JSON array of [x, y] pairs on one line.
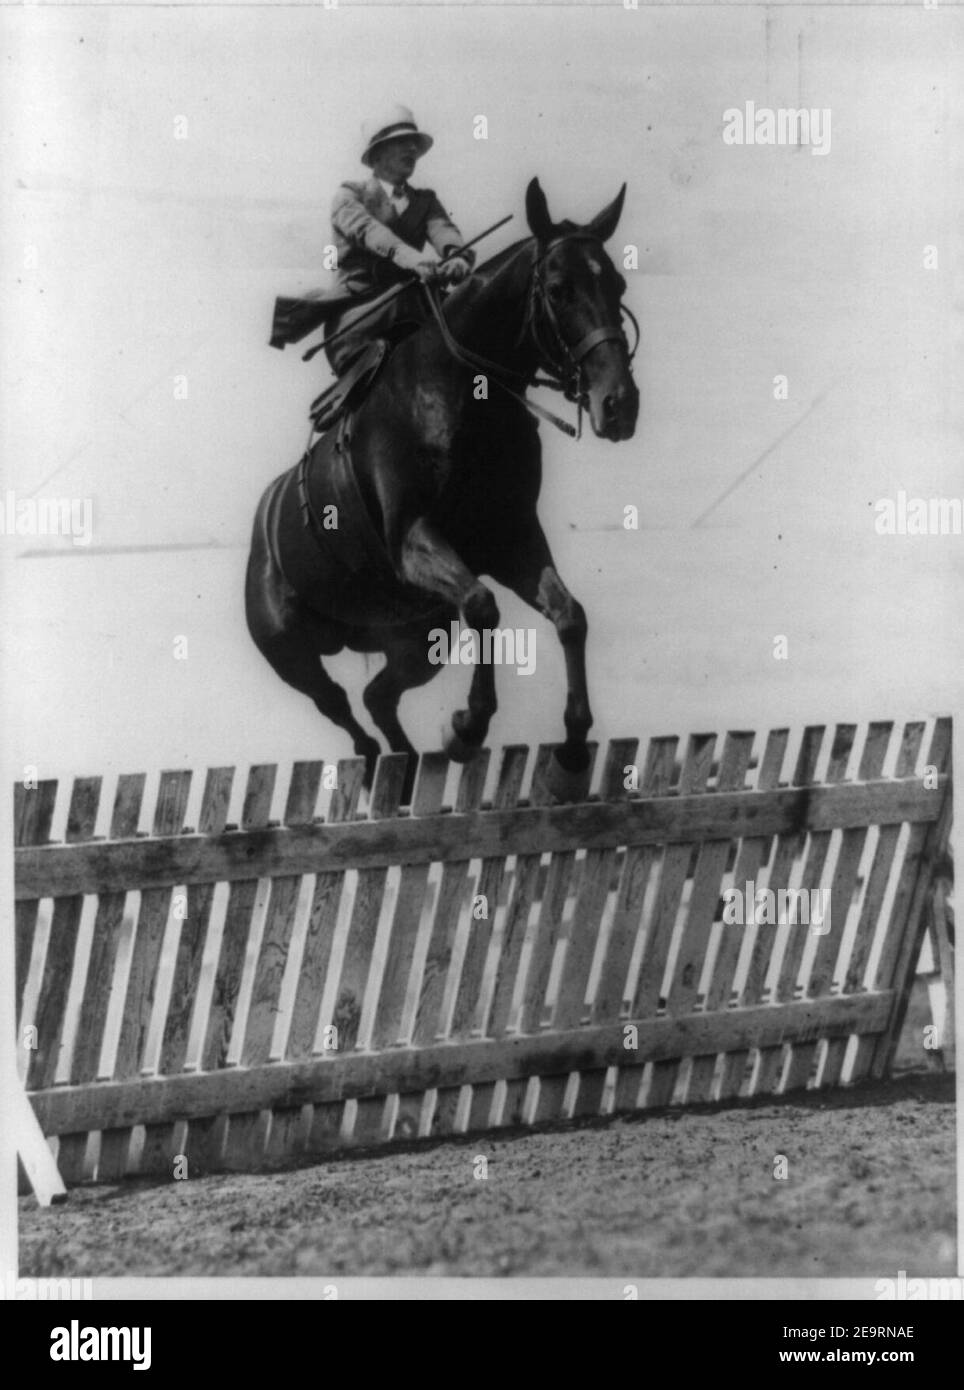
[[562, 784], [458, 749], [371, 751]]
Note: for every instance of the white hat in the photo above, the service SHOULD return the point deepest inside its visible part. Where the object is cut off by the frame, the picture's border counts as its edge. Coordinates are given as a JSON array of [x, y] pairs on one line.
[[391, 123]]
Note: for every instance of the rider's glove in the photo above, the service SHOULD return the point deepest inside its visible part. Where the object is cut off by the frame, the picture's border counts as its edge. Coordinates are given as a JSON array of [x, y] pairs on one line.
[[406, 258]]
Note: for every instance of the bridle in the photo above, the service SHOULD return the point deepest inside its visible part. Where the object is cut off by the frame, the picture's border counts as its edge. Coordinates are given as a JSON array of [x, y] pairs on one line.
[[561, 361], [564, 361]]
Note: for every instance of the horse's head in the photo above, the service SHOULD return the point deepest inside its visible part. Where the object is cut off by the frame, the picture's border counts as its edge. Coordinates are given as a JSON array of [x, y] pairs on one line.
[[575, 313]]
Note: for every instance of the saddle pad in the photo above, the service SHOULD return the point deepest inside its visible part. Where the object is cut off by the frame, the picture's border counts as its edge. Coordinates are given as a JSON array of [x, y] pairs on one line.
[[326, 478]]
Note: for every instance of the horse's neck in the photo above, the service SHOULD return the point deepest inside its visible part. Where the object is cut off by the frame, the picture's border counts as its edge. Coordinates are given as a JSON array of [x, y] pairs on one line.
[[489, 319]]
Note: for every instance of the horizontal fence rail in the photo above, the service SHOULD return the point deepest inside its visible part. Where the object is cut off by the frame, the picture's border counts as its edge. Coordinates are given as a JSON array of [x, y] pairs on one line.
[[163, 862], [330, 967]]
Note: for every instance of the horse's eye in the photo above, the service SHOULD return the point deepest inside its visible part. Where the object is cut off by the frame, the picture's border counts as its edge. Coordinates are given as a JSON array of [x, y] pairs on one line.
[[556, 291]]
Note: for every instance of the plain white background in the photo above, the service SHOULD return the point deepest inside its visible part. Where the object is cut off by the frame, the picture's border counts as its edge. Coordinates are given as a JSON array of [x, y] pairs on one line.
[[158, 257]]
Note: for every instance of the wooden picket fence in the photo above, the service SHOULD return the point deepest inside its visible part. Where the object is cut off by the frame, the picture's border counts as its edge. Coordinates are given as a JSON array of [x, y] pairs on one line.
[[238, 993]]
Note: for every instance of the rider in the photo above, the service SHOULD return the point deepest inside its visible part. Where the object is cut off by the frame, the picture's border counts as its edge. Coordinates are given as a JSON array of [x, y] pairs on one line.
[[381, 226]]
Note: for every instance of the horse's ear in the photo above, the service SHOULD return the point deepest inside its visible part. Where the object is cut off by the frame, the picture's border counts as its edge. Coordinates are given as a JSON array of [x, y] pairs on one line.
[[604, 223], [541, 224]]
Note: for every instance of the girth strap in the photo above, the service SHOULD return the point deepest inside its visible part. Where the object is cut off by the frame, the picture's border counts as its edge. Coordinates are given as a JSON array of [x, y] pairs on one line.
[[309, 517]]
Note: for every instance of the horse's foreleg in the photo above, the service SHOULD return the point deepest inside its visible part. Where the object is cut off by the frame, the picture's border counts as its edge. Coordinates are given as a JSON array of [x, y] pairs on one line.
[[529, 570], [429, 561]]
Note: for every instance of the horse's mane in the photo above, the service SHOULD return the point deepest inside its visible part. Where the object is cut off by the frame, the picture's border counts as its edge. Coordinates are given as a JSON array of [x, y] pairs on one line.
[[495, 263], [467, 293]]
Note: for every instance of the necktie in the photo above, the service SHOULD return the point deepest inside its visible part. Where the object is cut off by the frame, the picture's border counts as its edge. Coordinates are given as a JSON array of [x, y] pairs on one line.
[[399, 190]]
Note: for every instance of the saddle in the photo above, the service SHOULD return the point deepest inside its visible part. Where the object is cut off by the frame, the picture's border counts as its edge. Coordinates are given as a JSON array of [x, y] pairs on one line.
[[351, 388]]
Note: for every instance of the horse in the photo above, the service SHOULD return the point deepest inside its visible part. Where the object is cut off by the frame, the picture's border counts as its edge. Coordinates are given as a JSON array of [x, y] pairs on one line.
[[433, 481]]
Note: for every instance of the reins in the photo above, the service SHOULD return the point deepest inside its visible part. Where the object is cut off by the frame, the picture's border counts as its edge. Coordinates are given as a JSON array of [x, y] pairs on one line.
[[495, 371], [562, 360]]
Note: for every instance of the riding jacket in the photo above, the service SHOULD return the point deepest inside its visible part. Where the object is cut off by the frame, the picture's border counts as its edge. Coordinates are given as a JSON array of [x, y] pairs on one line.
[[367, 232]]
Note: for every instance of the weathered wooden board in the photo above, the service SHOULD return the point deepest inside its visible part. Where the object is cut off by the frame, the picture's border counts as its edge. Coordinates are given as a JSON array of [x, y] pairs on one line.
[[162, 862], [239, 1090]]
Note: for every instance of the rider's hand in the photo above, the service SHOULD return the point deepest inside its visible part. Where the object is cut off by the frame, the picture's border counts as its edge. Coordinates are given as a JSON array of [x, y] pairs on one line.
[[406, 258], [453, 272]]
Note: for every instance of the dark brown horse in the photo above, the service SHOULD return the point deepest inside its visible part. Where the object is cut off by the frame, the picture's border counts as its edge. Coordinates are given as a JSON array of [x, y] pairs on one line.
[[382, 532]]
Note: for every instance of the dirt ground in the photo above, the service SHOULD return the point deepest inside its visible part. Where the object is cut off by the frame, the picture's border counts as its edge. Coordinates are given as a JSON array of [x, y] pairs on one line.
[[870, 1189]]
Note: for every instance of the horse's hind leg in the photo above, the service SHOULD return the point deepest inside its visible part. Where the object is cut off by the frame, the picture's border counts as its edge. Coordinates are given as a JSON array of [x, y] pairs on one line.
[[407, 666], [291, 637], [297, 660]]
